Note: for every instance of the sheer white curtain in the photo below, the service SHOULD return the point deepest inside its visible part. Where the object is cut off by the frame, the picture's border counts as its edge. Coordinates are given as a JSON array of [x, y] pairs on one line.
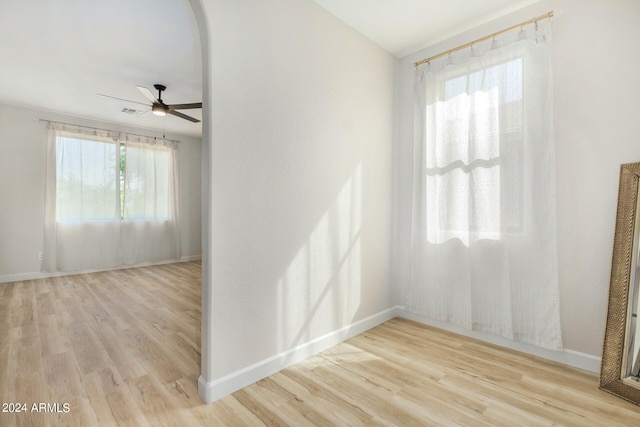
[[108, 201], [483, 224], [150, 214], [81, 201]]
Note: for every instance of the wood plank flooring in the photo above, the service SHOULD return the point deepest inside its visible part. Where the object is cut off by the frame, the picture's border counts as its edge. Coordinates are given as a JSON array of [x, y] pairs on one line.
[[123, 348]]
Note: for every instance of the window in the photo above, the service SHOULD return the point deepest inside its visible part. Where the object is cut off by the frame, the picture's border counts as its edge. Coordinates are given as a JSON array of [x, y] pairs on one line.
[[98, 179], [147, 179], [111, 199], [475, 152]]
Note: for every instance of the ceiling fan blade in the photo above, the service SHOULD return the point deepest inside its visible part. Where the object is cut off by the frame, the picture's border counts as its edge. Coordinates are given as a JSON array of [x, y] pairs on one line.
[[122, 99], [183, 116], [185, 106], [147, 94]]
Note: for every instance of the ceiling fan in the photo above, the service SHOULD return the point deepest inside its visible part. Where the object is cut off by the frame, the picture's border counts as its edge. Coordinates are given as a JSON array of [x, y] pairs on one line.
[[158, 106]]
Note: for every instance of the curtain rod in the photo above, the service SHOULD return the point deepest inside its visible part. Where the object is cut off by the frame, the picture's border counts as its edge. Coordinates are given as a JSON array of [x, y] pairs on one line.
[[497, 33], [108, 130]]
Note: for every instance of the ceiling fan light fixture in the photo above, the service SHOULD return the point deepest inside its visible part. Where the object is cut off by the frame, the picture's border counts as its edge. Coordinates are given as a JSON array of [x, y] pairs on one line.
[[158, 107], [158, 110]]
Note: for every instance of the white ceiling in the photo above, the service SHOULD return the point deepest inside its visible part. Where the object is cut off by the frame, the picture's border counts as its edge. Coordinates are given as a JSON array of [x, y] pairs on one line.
[[58, 55], [404, 26]]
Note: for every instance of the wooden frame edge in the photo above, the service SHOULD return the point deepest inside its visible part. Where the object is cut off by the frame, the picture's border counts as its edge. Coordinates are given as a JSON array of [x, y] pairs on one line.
[[611, 379]]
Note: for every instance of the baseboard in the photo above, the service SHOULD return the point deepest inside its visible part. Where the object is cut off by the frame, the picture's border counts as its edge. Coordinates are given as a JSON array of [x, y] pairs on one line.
[[210, 391], [190, 258], [7, 278], [567, 357]]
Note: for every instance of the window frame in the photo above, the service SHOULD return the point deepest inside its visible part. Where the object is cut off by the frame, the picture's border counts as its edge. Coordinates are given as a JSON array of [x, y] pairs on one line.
[[120, 167], [506, 138]]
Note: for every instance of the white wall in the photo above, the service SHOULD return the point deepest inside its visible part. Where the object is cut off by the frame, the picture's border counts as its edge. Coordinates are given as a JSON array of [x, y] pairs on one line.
[[597, 102], [22, 160], [301, 140]]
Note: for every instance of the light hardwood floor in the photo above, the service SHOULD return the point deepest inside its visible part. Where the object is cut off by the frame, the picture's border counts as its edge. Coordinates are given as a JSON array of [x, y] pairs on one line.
[[122, 348]]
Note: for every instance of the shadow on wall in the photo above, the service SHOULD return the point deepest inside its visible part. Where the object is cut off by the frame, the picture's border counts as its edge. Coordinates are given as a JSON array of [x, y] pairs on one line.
[[321, 287]]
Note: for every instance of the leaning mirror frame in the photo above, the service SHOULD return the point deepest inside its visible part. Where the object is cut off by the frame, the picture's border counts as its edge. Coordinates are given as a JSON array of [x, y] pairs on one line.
[[614, 354]]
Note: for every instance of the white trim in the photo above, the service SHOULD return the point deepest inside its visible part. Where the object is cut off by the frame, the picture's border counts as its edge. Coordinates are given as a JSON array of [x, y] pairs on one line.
[[573, 358], [45, 275], [210, 391]]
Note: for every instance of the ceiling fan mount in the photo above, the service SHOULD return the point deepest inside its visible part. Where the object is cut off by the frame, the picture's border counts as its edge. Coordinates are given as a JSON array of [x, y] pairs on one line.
[[158, 107]]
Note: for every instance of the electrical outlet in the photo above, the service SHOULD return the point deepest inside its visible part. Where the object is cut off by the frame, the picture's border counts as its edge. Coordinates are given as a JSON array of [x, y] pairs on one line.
[[40, 256]]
